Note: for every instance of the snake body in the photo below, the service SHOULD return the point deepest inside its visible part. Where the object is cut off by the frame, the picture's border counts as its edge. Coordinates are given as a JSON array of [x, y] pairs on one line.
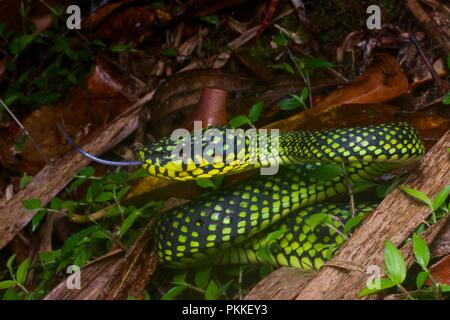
[[228, 226]]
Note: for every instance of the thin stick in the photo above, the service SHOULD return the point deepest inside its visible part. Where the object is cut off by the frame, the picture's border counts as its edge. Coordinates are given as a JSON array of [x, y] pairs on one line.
[[430, 67], [350, 191], [36, 145]]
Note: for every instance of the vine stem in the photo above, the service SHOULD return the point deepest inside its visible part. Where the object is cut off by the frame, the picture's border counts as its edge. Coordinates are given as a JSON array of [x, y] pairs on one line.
[[349, 188]]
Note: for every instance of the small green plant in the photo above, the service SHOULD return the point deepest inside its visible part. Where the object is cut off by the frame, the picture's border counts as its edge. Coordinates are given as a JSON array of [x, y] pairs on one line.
[[81, 202], [395, 266], [16, 286], [212, 19], [295, 101], [437, 205], [204, 284], [264, 252], [253, 116]]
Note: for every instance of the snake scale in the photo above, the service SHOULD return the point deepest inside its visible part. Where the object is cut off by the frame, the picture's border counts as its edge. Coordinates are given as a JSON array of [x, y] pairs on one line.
[[229, 226]]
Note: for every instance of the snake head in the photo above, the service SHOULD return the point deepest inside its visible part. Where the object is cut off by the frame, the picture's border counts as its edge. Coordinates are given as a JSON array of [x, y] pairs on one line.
[[200, 154]]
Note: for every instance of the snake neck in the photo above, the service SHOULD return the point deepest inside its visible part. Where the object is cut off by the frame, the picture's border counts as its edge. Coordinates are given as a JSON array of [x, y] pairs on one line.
[[393, 144]]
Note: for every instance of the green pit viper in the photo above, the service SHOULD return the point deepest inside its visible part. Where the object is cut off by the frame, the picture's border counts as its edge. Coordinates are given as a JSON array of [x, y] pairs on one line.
[[230, 226]]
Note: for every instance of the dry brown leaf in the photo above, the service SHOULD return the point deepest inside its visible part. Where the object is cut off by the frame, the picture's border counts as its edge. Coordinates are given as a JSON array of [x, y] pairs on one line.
[[103, 82], [384, 80], [82, 114], [441, 271], [118, 21]]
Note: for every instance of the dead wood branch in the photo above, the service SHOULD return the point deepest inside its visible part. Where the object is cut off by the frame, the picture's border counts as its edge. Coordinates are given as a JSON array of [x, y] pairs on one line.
[[116, 277], [282, 284]]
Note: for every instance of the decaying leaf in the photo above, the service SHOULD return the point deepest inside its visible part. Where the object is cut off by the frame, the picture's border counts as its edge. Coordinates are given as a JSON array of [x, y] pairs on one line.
[[441, 271], [82, 111], [116, 20], [384, 80]]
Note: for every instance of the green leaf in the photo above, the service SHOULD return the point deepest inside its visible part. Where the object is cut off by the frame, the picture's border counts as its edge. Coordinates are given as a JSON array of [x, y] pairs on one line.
[[104, 197], [123, 192], [224, 288], [446, 99], [445, 287], [421, 278], [440, 198], [421, 251], [137, 174], [384, 284], [169, 52], [11, 294], [304, 94], [7, 284], [146, 295], [76, 239], [362, 185], [316, 219], [202, 277], [326, 171], [19, 44], [87, 172], [239, 121], [32, 204], [56, 203], [37, 218], [211, 19], [274, 235], [69, 204], [10, 262], [255, 112], [129, 222], [180, 279], [173, 292], [416, 194], [283, 66], [22, 271], [25, 180], [218, 181], [205, 183], [395, 264], [212, 291], [352, 223], [317, 63], [264, 254], [10, 98], [121, 47], [289, 104], [281, 40]]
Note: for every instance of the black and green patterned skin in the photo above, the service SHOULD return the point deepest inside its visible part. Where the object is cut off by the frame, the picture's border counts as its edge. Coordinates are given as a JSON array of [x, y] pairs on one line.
[[239, 151], [204, 230], [303, 244]]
